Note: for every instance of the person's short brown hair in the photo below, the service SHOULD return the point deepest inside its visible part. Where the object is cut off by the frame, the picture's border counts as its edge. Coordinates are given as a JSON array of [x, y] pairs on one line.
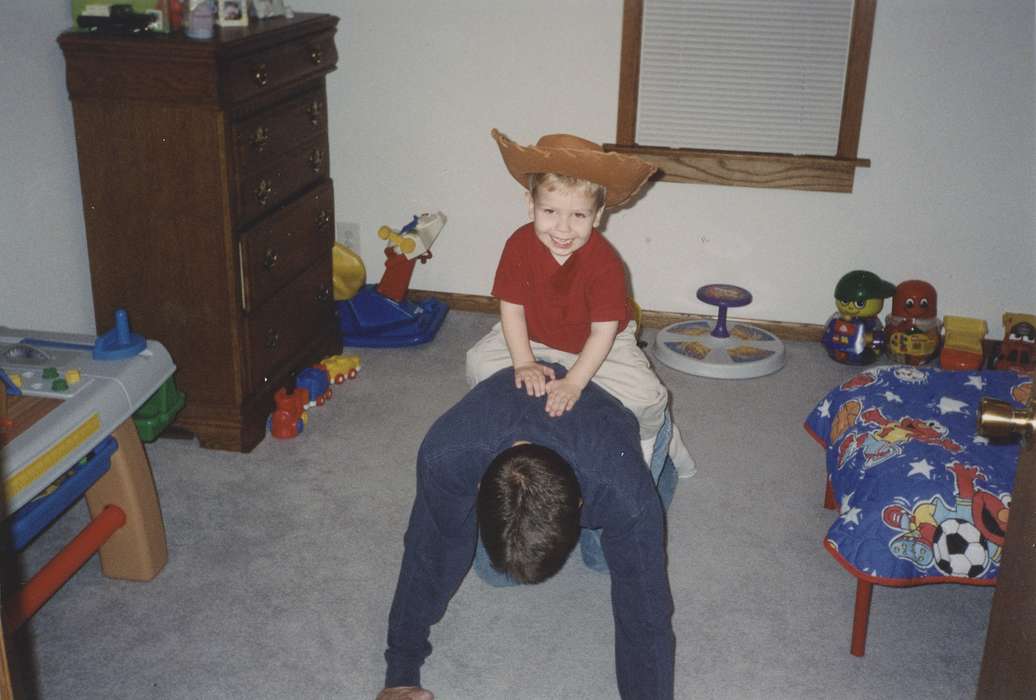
[[528, 512]]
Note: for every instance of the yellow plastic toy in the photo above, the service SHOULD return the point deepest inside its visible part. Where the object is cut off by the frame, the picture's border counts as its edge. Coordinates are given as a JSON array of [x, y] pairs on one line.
[[348, 272], [406, 244], [341, 367], [962, 343]]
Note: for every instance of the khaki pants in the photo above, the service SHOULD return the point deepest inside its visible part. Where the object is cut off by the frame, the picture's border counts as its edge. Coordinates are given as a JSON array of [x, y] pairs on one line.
[[625, 373]]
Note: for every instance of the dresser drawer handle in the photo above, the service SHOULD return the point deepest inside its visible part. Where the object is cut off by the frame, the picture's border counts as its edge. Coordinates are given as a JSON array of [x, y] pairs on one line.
[[316, 55], [270, 259], [324, 294], [273, 339], [263, 191], [323, 219], [260, 138], [314, 110], [316, 160], [261, 75]]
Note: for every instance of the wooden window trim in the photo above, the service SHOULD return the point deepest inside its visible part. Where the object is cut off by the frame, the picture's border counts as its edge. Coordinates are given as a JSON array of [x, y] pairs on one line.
[[775, 170]]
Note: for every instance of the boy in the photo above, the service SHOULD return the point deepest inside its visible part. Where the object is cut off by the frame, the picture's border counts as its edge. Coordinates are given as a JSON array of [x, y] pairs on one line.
[[562, 287]]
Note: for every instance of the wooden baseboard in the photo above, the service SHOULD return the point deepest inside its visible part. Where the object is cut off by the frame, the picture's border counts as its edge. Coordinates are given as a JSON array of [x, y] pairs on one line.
[[650, 319]]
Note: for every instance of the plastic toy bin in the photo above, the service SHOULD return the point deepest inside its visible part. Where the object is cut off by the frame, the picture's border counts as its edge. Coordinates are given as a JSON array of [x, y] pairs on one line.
[[34, 517]]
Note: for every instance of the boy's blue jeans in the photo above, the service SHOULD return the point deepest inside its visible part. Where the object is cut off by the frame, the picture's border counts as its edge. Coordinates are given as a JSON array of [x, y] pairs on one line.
[[662, 471]]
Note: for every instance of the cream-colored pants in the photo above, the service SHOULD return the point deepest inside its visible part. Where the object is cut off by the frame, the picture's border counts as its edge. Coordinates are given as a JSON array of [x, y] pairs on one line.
[[626, 374]]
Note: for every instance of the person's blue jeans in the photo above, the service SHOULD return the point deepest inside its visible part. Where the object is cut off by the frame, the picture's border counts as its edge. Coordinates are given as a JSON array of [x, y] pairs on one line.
[[662, 471]]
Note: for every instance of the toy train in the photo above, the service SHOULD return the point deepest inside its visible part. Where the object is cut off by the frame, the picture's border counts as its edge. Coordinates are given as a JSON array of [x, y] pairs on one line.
[[312, 388]]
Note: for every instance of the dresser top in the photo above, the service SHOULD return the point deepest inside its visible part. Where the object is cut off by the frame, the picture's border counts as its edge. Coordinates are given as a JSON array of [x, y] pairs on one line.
[[238, 66], [226, 41]]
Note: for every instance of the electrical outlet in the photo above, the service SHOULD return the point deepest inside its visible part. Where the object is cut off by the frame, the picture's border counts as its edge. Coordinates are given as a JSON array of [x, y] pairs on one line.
[[348, 234]]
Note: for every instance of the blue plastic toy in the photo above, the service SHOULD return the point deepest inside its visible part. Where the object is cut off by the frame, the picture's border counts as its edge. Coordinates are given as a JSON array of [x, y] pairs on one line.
[[381, 315], [119, 343], [854, 335]]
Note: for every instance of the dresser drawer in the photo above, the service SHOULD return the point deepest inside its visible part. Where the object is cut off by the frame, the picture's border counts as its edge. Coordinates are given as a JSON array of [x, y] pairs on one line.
[[262, 138], [278, 248], [262, 72], [283, 326], [262, 191]]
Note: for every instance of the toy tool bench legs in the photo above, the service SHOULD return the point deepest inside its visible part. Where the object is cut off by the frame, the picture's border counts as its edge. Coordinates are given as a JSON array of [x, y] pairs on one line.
[[125, 529], [136, 551]]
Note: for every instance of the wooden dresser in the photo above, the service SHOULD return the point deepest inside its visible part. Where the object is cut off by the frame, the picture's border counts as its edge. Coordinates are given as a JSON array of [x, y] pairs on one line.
[[209, 211]]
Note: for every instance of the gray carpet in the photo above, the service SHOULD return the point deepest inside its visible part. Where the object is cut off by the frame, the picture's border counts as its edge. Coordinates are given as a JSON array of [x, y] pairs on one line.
[[283, 564]]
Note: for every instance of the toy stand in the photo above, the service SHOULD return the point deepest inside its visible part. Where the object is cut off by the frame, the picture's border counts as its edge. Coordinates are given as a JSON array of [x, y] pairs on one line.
[[373, 320], [380, 316], [712, 350]]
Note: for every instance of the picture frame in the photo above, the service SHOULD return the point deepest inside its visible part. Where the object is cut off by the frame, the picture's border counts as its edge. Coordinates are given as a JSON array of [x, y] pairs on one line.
[[264, 9], [232, 13]]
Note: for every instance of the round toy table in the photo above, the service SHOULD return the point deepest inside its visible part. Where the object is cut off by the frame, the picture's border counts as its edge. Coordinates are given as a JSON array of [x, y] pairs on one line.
[[710, 349]]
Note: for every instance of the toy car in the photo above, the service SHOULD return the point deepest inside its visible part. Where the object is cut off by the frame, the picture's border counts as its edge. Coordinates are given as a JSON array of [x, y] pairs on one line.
[[341, 367], [1018, 349], [962, 343], [316, 381]]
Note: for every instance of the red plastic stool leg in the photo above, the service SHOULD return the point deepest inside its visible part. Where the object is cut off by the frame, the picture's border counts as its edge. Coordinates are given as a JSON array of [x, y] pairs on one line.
[[829, 496], [861, 616]]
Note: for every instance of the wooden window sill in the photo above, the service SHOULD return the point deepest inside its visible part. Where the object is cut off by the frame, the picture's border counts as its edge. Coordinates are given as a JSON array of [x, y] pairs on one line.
[[812, 173]]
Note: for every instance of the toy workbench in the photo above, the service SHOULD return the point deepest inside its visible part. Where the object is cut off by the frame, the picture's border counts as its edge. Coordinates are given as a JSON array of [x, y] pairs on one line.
[[68, 432], [88, 399]]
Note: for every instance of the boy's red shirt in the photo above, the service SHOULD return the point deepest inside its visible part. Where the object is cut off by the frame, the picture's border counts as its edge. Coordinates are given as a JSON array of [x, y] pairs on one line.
[[562, 300]]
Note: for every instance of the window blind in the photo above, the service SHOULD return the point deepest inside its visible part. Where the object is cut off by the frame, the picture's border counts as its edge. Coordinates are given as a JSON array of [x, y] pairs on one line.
[[743, 75]]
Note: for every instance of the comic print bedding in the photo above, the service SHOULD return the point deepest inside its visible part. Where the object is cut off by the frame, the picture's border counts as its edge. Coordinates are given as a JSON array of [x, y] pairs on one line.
[[921, 498]]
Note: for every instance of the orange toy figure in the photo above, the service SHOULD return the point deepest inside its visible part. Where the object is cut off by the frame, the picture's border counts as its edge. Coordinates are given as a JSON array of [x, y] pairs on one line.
[[913, 327], [289, 417]]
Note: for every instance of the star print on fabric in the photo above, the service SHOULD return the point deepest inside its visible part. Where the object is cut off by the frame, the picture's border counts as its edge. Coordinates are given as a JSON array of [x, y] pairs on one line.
[[825, 408], [849, 514], [852, 516], [948, 405], [976, 381], [921, 467], [892, 397]]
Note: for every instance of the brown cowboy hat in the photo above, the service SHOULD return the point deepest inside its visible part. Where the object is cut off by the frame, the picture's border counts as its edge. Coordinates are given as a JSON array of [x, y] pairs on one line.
[[621, 175]]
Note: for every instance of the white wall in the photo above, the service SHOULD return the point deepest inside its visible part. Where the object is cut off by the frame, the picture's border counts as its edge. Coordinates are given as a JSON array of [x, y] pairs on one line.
[[44, 274], [949, 125]]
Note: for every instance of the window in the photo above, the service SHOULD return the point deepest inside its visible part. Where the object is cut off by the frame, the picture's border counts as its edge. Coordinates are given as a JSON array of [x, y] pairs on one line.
[[797, 65]]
